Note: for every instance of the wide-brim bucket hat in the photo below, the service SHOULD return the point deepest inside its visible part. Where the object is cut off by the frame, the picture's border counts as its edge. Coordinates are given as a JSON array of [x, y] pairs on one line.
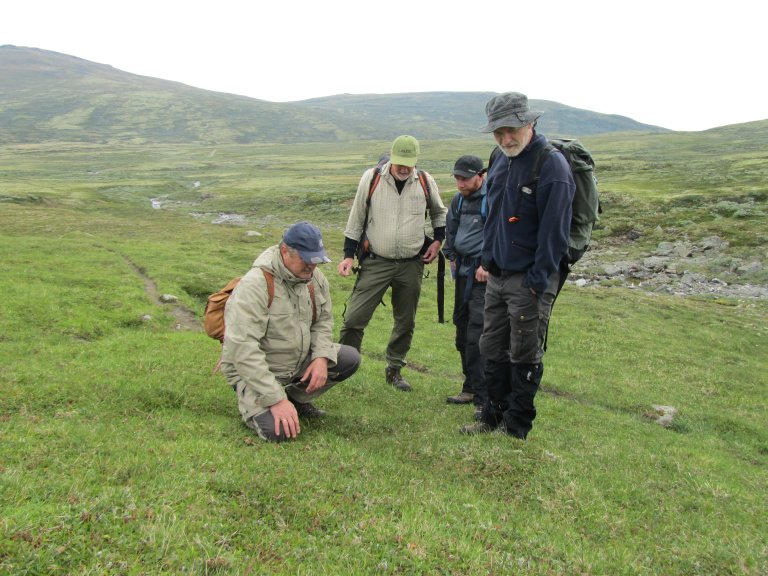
[[508, 110]]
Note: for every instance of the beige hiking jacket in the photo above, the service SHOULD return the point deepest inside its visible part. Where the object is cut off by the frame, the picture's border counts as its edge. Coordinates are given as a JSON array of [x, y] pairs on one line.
[[265, 346], [396, 223]]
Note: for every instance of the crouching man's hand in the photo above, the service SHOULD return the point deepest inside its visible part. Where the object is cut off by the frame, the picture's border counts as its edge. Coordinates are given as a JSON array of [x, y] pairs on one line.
[[286, 418], [316, 374]]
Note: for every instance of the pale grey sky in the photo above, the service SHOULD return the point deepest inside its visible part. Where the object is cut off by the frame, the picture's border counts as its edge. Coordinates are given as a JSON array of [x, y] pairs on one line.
[[680, 64]]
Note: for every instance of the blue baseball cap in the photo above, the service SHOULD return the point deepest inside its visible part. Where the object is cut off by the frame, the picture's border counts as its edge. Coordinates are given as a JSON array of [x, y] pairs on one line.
[[307, 240]]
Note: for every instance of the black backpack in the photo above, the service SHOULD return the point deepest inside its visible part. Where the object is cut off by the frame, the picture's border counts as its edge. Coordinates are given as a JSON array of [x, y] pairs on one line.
[[586, 200]]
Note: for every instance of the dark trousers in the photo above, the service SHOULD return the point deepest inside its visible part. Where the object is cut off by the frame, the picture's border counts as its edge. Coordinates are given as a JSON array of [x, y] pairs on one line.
[[468, 317], [347, 363], [515, 329]]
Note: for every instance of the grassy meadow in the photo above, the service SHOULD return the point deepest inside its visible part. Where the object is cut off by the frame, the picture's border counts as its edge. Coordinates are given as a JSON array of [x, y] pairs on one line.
[[122, 454]]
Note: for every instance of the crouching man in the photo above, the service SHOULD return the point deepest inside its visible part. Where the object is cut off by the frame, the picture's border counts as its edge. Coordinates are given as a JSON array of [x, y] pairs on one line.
[[278, 352]]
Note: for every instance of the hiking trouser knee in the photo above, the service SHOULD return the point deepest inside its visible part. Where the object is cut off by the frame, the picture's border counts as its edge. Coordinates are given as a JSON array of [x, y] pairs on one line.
[[516, 320], [460, 313], [264, 425], [358, 311], [347, 362], [406, 289]]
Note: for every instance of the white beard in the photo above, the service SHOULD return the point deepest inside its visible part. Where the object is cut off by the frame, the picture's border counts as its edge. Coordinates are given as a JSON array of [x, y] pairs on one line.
[[512, 152]]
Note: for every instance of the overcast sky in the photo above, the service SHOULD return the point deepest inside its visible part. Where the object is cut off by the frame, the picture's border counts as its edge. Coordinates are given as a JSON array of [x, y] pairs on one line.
[[680, 64]]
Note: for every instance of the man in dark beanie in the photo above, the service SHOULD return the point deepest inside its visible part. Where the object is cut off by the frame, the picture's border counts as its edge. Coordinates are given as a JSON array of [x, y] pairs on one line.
[[525, 238]]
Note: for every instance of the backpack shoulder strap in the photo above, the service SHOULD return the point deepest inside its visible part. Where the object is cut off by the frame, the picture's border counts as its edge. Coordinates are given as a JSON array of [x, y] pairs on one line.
[[419, 173], [311, 288], [536, 172], [425, 187], [494, 154], [459, 202], [270, 286], [374, 182], [383, 159]]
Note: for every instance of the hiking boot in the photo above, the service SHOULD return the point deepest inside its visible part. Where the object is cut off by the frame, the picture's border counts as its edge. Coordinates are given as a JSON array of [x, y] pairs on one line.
[[461, 398], [393, 377], [476, 428], [308, 410]]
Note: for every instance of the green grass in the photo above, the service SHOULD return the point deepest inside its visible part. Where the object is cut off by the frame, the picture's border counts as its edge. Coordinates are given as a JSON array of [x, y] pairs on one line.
[[122, 454]]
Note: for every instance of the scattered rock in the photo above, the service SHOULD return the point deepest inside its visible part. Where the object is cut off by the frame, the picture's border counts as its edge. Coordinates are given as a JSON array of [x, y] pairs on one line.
[[669, 270], [656, 263], [690, 279], [713, 243], [683, 250], [253, 233], [665, 248], [168, 299], [750, 268], [232, 219], [612, 270], [666, 414]]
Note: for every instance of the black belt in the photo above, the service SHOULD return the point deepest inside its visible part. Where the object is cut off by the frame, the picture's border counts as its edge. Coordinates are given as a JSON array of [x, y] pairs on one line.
[[374, 256], [509, 274], [504, 274]]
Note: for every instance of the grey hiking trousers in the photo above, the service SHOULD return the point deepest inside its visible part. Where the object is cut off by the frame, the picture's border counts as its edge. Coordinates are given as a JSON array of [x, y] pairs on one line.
[[514, 332]]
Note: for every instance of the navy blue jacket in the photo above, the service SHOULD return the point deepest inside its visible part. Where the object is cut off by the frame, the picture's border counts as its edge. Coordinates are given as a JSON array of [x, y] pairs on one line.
[[527, 230]]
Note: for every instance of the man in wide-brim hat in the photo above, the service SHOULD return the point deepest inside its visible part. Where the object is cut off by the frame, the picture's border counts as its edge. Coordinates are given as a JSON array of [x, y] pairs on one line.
[[525, 239]]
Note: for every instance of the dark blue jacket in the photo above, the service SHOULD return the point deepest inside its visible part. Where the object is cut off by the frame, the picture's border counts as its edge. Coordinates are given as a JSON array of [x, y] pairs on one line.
[[527, 229]]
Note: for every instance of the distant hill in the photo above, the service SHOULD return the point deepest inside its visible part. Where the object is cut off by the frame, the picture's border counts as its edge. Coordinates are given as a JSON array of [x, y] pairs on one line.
[[48, 96], [461, 114]]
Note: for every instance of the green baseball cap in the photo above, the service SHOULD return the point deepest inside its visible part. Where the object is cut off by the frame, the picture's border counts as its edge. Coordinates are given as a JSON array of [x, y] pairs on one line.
[[405, 151]]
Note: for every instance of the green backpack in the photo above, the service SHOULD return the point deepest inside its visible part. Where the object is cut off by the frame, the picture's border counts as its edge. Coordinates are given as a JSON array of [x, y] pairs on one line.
[[586, 200]]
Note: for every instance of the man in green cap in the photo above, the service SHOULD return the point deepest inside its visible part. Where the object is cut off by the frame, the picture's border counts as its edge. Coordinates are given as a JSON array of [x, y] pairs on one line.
[[386, 228]]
